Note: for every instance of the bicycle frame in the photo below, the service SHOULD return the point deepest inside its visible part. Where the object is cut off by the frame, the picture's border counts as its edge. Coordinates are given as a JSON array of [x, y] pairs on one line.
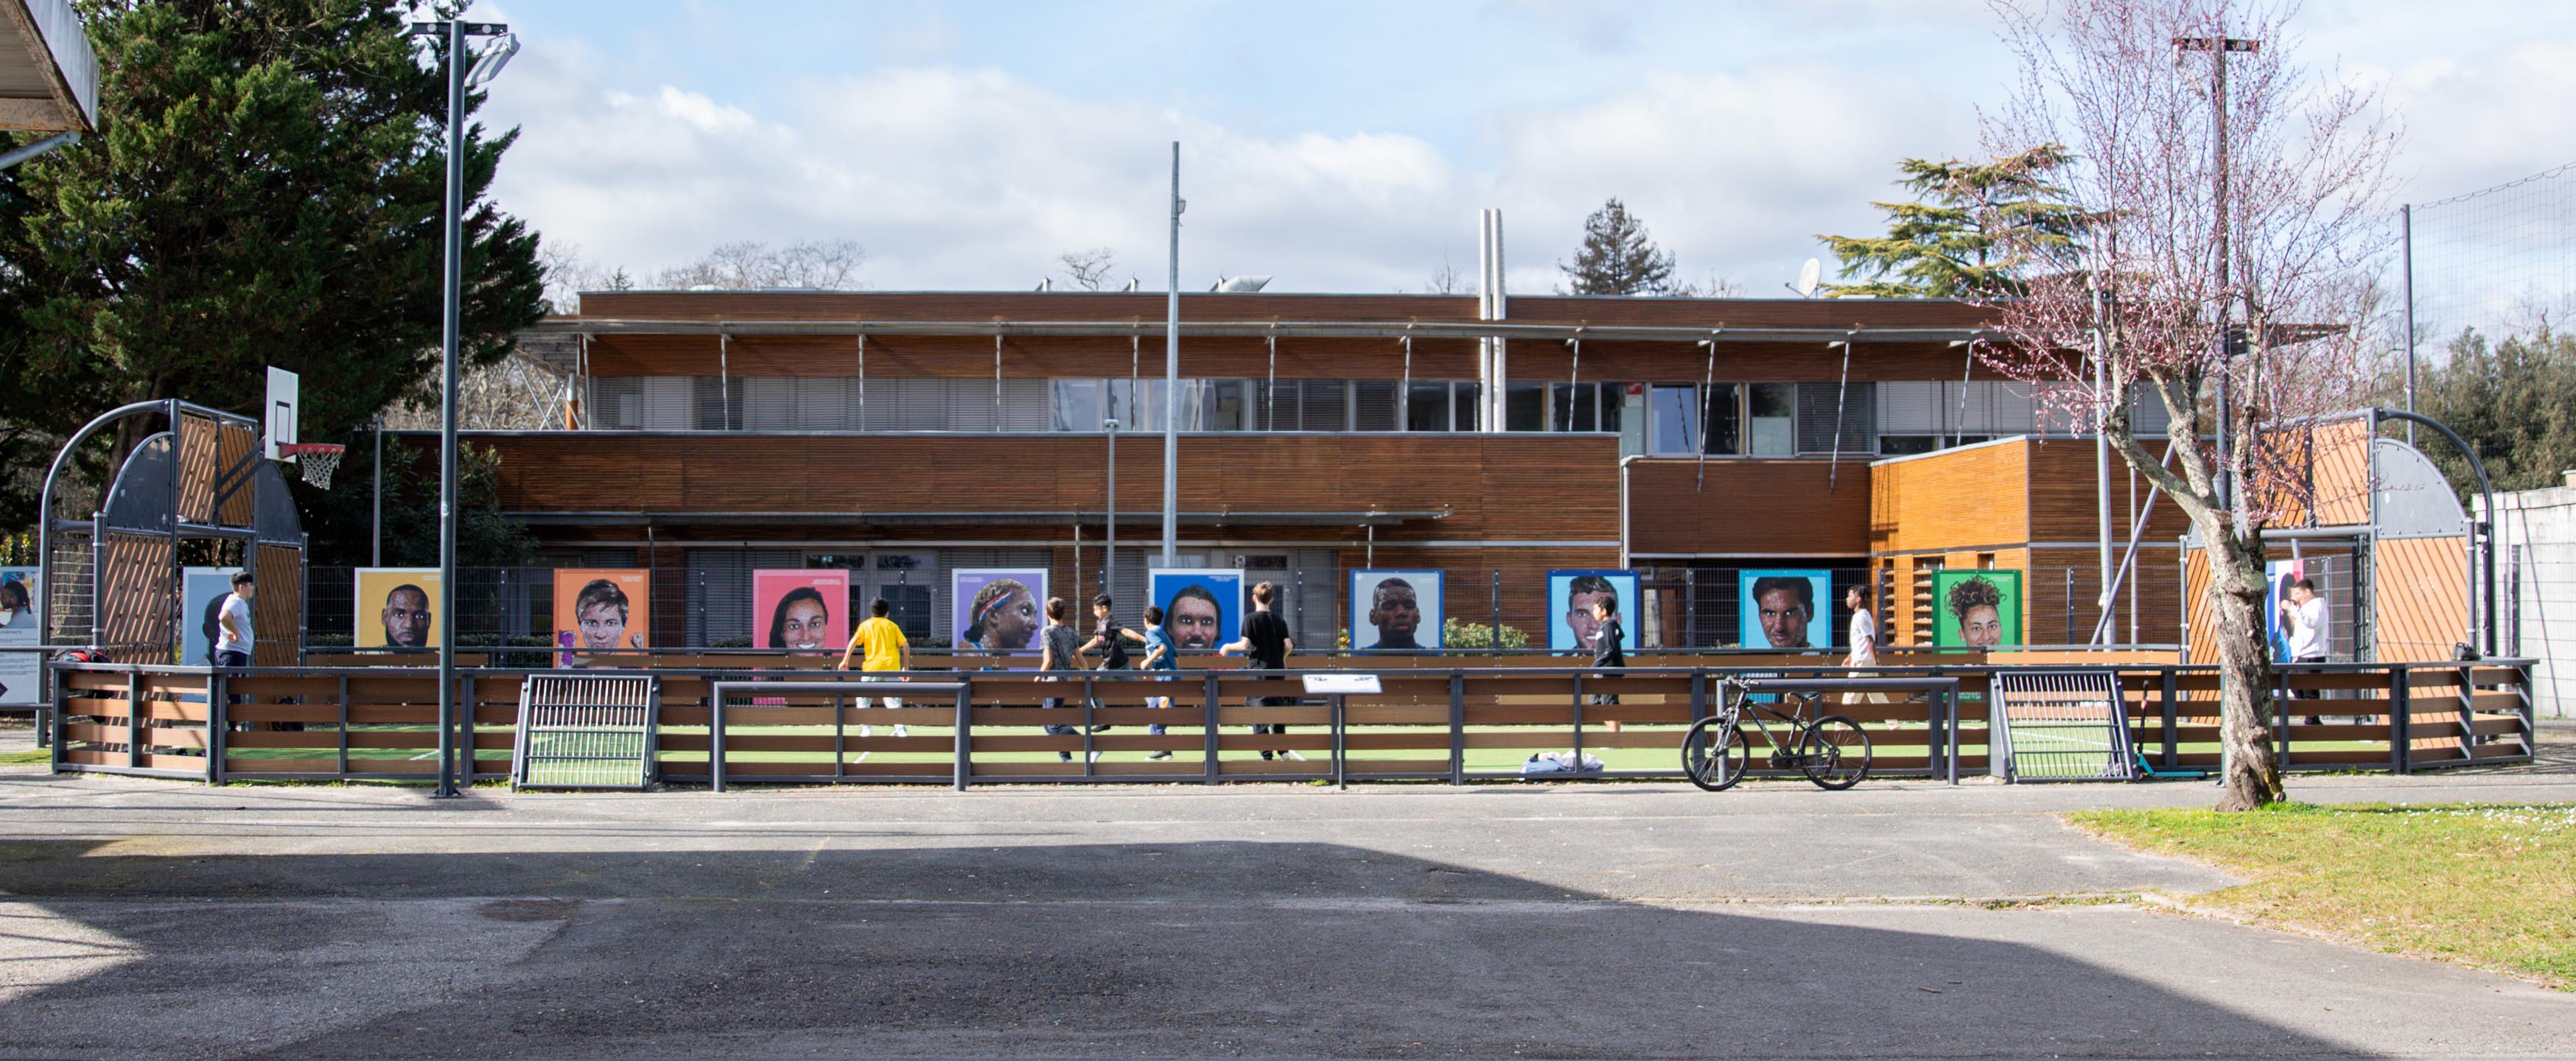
[[1737, 703]]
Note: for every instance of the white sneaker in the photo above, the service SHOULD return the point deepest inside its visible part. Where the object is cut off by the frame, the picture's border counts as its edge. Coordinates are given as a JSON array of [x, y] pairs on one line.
[[1095, 757], [1295, 756], [898, 730], [863, 729]]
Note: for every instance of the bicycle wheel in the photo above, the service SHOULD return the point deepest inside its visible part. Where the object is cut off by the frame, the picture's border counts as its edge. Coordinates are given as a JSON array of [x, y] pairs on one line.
[[1834, 753], [1713, 754]]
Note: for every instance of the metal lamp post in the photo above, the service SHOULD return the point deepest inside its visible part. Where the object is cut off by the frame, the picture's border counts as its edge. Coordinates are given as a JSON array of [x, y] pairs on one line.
[[460, 77], [1109, 556]]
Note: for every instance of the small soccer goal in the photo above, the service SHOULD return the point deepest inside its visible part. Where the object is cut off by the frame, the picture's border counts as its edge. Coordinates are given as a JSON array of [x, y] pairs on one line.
[[584, 731], [2059, 726]]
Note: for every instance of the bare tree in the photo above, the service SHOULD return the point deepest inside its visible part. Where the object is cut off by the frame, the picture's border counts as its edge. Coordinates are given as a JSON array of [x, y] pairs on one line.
[[2230, 285], [569, 273], [746, 265], [1716, 286], [517, 393], [1445, 280], [1088, 269]]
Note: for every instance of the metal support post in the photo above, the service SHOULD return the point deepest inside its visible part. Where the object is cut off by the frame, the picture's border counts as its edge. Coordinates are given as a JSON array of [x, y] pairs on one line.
[[2400, 723], [1457, 728], [1209, 733], [965, 735], [1341, 760]]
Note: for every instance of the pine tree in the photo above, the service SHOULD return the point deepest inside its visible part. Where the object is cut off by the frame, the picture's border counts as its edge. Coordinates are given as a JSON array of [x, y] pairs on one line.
[[266, 188], [1946, 244], [1617, 257]]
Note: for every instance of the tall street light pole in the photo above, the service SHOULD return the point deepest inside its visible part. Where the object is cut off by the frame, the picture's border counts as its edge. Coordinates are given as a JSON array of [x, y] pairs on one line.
[[1109, 556], [1172, 379], [2218, 48], [461, 75]]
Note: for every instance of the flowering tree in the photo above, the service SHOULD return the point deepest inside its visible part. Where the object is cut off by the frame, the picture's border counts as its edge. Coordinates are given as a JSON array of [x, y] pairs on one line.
[[2234, 220]]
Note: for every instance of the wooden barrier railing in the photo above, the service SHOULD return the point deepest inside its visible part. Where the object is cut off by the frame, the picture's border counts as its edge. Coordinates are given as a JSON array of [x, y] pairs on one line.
[[1453, 724]]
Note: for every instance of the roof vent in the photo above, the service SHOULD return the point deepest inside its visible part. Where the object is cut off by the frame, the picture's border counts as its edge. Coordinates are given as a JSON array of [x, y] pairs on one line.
[[1240, 285]]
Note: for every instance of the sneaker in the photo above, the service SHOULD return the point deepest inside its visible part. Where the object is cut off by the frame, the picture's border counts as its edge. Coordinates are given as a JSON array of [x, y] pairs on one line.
[[1095, 757], [864, 729], [1295, 756], [1265, 757], [1064, 757], [898, 730], [1102, 728], [1164, 754]]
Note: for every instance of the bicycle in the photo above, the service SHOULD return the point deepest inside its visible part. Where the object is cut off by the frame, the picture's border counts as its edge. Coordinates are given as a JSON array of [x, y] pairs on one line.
[[1831, 751]]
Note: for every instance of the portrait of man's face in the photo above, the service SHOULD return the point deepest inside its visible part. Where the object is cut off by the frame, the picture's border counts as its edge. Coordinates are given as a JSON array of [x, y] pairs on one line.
[[1982, 627], [1579, 618], [1784, 621], [406, 618], [1011, 623], [805, 627], [603, 625], [1397, 614], [1193, 622]]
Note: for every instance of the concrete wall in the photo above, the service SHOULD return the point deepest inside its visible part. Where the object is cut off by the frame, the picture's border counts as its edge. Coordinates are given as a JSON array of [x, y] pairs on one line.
[[2536, 562]]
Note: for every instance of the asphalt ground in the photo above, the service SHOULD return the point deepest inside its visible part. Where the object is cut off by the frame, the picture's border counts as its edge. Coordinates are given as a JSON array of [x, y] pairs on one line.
[[1905, 919]]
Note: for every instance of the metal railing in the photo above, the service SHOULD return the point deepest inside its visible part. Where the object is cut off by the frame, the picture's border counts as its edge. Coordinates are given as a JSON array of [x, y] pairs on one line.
[[1454, 724]]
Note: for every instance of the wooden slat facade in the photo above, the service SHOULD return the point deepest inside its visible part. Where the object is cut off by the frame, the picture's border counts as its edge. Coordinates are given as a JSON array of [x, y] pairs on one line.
[[2027, 505]]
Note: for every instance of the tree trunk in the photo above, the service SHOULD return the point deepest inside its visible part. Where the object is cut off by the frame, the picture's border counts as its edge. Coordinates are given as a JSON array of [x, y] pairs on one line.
[[2236, 593]]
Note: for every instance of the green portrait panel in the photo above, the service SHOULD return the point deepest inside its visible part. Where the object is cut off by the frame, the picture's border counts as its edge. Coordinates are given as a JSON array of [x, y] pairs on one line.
[[1980, 609]]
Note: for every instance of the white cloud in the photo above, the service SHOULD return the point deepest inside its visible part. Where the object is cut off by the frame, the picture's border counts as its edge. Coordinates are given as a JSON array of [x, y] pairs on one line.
[[977, 179], [958, 178]]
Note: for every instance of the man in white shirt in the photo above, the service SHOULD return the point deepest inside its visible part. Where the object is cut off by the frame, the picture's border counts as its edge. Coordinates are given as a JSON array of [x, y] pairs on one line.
[[233, 634], [2303, 614]]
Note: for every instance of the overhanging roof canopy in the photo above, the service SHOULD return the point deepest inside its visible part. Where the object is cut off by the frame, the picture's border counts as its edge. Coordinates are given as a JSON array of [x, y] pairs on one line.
[[48, 75], [1353, 518], [1256, 329]]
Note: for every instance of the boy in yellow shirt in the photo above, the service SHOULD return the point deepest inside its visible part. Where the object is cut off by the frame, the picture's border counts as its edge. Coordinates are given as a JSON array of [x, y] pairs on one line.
[[880, 646]]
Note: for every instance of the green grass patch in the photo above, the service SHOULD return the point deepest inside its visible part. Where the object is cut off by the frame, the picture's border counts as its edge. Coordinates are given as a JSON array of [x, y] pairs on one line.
[[2491, 885], [27, 755]]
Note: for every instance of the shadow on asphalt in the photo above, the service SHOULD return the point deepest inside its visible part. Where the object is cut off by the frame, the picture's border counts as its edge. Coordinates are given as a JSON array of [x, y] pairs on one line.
[[1220, 948]]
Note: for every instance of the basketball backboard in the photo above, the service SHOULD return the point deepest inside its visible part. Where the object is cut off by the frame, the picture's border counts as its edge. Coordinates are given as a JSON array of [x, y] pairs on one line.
[[285, 396]]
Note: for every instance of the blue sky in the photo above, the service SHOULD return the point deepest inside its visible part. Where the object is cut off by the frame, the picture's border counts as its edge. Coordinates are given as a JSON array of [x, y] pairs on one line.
[[1342, 145]]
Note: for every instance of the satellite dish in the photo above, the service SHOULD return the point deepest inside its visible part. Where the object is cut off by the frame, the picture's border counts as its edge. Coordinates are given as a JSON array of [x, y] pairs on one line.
[[1808, 274]]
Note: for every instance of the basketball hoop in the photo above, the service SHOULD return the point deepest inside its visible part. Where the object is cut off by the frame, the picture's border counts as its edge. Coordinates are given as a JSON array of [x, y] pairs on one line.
[[316, 459]]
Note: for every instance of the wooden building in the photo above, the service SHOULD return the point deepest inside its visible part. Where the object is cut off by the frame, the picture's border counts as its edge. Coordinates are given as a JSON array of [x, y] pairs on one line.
[[903, 435]]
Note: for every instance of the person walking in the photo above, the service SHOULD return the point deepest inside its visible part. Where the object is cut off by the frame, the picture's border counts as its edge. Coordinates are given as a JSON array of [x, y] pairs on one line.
[[1059, 651], [2303, 613], [1111, 640], [1266, 643], [1864, 641], [1161, 654], [879, 645], [1607, 651]]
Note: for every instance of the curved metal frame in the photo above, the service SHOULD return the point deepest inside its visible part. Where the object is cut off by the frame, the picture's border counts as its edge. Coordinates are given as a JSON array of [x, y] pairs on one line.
[[2483, 617], [172, 409]]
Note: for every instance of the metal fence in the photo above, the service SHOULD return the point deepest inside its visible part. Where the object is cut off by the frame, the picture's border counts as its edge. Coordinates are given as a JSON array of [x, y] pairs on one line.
[[1429, 721]]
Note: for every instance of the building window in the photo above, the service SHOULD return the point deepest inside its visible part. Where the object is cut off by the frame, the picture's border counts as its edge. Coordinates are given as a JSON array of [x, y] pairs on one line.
[[1774, 408], [1426, 407], [1075, 404], [1463, 395], [1675, 430], [1574, 406], [1525, 406], [1725, 413]]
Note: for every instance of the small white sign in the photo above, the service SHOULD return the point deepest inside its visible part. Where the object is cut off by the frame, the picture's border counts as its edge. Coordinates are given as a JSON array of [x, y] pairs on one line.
[[1340, 684]]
